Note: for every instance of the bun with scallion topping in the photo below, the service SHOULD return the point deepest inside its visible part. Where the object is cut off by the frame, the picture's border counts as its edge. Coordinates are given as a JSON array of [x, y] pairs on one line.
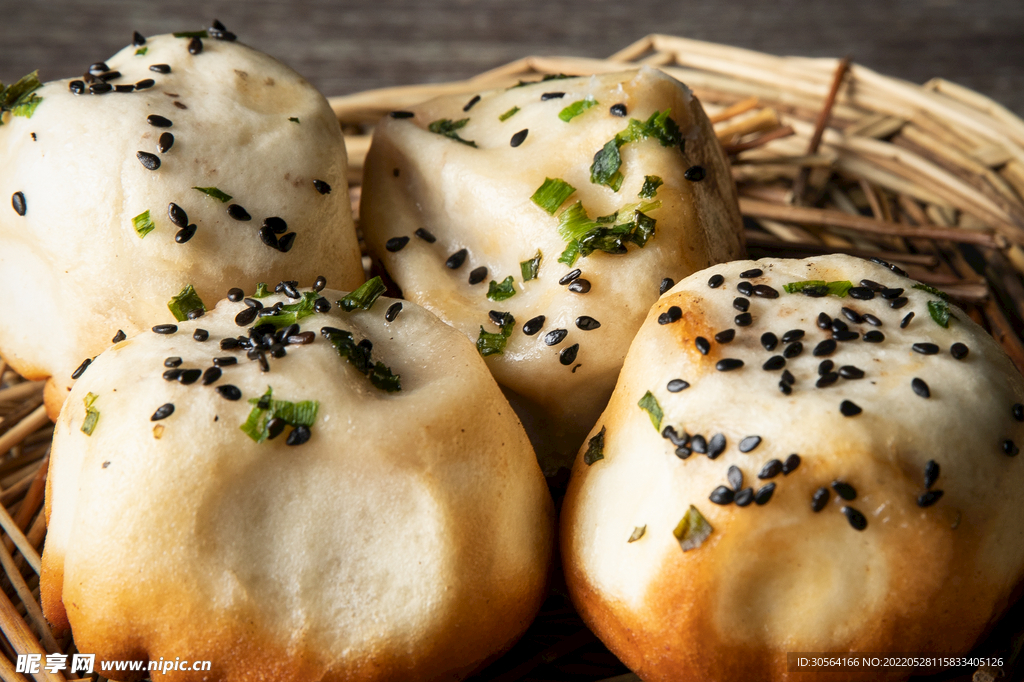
[[307, 485], [175, 168], [813, 455], [544, 220]]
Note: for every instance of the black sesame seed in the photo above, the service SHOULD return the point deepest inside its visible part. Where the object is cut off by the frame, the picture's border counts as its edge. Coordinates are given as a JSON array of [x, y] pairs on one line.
[[851, 372], [793, 335], [682, 452], [872, 320], [470, 103], [773, 363], [319, 283], [826, 380], [673, 314], [195, 46], [551, 95], [570, 276], [189, 376], [322, 187], [826, 347], [1018, 412], [749, 443], [264, 363], [229, 344], [839, 326], [238, 213], [735, 477], [771, 469], [715, 281], [100, 88], [722, 495], [246, 317], [278, 350], [165, 142], [499, 318], [302, 339], [76, 87], [791, 464], [676, 385], [847, 335], [744, 497], [861, 293], [108, 76], [925, 348], [743, 320], [716, 446], [138, 39], [725, 336], [890, 294], [119, 337], [235, 294], [728, 364], [741, 304], [793, 350], [787, 377], [284, 245], [874, 336], [425, 235], [670, 433], [299, 435], [815, 291], [392, 311], [290, 291], [752, 273], [211, 375], [665, 285], [555, 337], [456, 260], [396, 244], [568, 355], [745, 288], [18, 202], [959, 351], [825, 367], [929, 498], [177, 215], [277, 225], [618, 110], [764, 494], [703, 345], [765, 291], [820, 499], [173, 361], [699, 444], [145, 84], [849, 409], [519, 137], [148, 161], [1010, 448], [852, 315], [534, 325], [931, 473], [920, 387], [254, 303], [162, 412], [898, 303], [769, 341], [165, 328], [158, 121], [695, 173], [856, 519], [275, 427], [871, 284], [160, 68], [579, 286], [401, 114], [477, 275], [587, 323], [824, 321], [81, 368]]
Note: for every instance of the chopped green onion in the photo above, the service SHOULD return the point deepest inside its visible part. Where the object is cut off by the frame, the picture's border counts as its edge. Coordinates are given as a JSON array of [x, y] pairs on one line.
[[379, 374], [548, 77], [184, 302], [191, 34], [18, 98], [552, 194], [605, 169], [142, 224], [141, 51], [261, 290], [650, 404], [27, 106], [650, 188], [933, 291], [364, 297], [92, 415], [595, 448], [637, 533], [490, 343], [576, 108], [530, 268], [293, 119], [215, 193], [447, 128], [585, 235], [838, 288], [693, 529], [266, 408], [939, 310], [509, 114], [293, 312], [502, 291]]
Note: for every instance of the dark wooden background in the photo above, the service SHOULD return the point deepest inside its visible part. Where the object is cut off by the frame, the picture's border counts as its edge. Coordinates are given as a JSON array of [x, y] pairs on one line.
[[344, 47]]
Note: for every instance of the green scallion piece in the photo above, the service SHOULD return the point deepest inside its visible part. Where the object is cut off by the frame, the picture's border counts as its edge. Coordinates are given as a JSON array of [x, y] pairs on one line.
[[650, 188], [509, 114], [448, 128], [502, 291], [379, 374], [141, 51], [530, 268], [143, 224], [364, 297], [552, 194], [595, 448], [184, 302], [265, 408], [490, 343], [215, 193], [191, 34], [650, 404], [576, 108], [939, 310], [693, 529], [92, 415]]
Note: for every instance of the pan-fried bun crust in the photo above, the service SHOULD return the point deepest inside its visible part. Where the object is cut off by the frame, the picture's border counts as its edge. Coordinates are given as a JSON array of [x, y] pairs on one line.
[[446, 219], [915, 543], [409, 538], [74, 192]]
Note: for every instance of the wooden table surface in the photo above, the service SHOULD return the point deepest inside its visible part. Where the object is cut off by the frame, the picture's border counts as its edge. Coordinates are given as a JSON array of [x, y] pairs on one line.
[[345, 47]]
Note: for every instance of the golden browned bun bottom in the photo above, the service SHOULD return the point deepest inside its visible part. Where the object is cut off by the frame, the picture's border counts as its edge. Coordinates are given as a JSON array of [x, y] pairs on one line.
[[836, 473]]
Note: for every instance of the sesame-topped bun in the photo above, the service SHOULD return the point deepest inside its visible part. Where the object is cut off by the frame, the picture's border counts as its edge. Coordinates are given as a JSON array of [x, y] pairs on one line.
[[811, 455], [357, 501], [544, 220], [179, 161]]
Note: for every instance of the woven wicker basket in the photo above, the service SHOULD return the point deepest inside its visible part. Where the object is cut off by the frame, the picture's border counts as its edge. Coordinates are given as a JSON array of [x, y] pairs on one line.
[[828, 156]]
